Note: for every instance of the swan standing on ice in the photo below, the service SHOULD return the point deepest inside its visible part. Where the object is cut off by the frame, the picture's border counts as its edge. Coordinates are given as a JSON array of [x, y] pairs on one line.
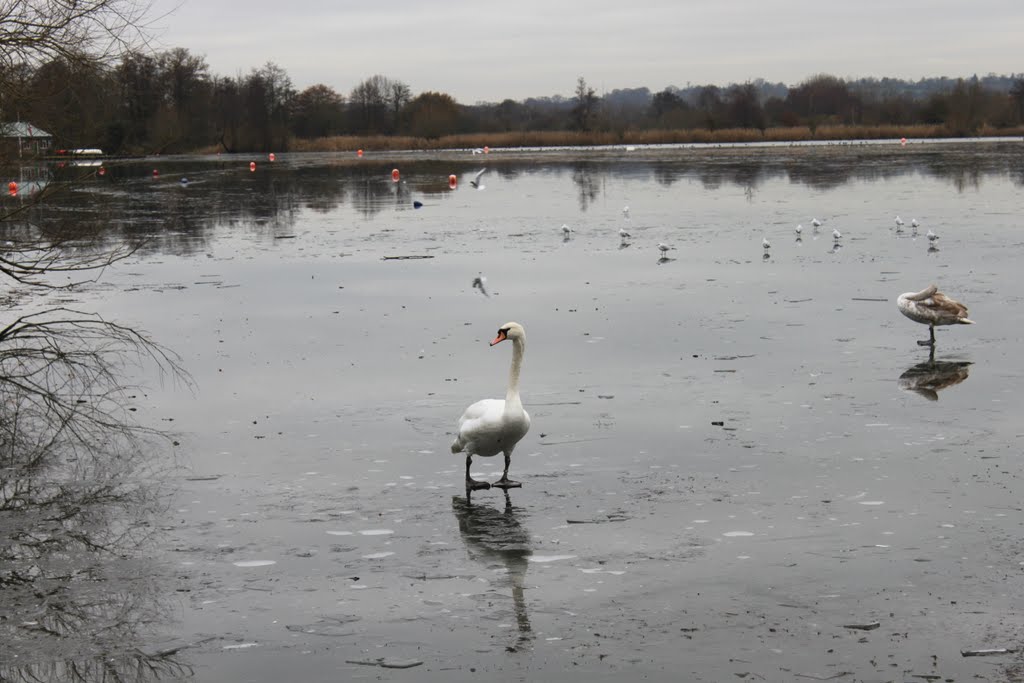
[[492, 425], [931, 307]]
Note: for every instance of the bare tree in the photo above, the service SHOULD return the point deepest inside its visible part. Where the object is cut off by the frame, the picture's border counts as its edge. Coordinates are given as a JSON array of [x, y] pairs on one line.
[[56, 256], [33, 32], [79, 489], [584, 107]]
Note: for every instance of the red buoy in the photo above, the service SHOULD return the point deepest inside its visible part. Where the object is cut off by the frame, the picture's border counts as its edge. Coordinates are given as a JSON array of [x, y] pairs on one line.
[[359, 153], [252, 165], [394, 175], [102, 170], [272, 157], [487, 150], [903, 142], [12, 187], [453, 181], [156, 172]]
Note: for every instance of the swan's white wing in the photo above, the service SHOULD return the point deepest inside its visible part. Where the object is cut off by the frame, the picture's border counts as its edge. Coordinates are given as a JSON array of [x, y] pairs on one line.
[[478, 422]]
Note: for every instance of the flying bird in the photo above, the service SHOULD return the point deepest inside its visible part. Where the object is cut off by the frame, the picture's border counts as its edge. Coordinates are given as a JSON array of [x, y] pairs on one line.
[[931, 307], [479, 282], [475, 182]]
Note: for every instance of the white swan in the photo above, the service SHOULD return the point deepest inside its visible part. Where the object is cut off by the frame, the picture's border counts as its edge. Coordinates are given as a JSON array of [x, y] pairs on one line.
[[492, 425], [931, 307]]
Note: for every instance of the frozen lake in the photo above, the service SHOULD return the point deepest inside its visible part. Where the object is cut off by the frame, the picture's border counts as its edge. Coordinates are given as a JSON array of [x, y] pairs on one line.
[[740, 460]]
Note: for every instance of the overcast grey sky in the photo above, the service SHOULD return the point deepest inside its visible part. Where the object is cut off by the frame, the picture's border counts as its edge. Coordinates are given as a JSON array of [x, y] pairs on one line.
[[484, 50]]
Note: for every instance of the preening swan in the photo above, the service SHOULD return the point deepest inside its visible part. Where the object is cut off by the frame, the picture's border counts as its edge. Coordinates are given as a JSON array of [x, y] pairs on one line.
[[493, 426], [931, 307]]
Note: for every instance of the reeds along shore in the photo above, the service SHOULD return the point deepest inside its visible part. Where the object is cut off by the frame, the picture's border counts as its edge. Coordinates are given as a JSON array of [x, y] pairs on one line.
[[344, 143]]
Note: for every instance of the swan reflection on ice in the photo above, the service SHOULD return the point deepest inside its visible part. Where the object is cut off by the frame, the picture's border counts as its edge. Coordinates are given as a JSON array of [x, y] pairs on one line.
[[930, 377], [496, 539]]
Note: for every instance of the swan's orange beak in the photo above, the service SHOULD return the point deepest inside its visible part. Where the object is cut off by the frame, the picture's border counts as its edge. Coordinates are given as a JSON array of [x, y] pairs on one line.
[[500, 338]]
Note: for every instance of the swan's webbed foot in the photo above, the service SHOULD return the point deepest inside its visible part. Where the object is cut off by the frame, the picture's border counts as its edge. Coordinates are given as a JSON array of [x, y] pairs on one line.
[[926, 342], [476, 485], [506, 483]]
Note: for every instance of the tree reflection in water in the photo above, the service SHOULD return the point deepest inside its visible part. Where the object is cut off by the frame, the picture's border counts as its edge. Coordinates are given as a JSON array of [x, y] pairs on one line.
[[78, 491], [495, 537]]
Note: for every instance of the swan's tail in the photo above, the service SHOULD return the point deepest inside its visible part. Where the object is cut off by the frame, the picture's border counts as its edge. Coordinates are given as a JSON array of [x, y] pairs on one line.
[[965, 321]]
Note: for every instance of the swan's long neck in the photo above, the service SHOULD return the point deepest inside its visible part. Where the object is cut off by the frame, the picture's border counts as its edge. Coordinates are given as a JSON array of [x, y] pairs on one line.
[[512, 400], [923, 294]]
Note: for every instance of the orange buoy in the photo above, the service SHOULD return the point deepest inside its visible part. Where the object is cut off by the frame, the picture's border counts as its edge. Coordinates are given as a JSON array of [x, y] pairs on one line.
[[252, 165], [903, 142], [394, 175], [359, 153], [453, 181], [272, 157], [12, 187], [487, 150]]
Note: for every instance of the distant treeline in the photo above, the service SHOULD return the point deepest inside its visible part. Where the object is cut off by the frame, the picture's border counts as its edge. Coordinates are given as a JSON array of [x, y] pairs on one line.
[[170, 102]]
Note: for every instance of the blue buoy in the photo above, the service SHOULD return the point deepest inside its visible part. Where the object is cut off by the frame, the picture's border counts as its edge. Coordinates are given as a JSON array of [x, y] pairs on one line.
[[417, 205]]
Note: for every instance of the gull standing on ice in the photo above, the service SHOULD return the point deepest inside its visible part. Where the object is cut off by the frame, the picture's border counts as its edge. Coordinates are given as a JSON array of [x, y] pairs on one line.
[[836, 235], [932, 236], [765, 243], [799, 230], [815, 222]]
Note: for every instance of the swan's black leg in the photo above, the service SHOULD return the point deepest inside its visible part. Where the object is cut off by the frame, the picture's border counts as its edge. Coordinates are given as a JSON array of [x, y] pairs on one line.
[[471, 483], [931, 339], [505, 482]]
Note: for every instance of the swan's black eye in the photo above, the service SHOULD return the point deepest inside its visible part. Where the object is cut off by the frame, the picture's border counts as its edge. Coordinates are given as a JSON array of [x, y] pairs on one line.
[[503, 330]]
